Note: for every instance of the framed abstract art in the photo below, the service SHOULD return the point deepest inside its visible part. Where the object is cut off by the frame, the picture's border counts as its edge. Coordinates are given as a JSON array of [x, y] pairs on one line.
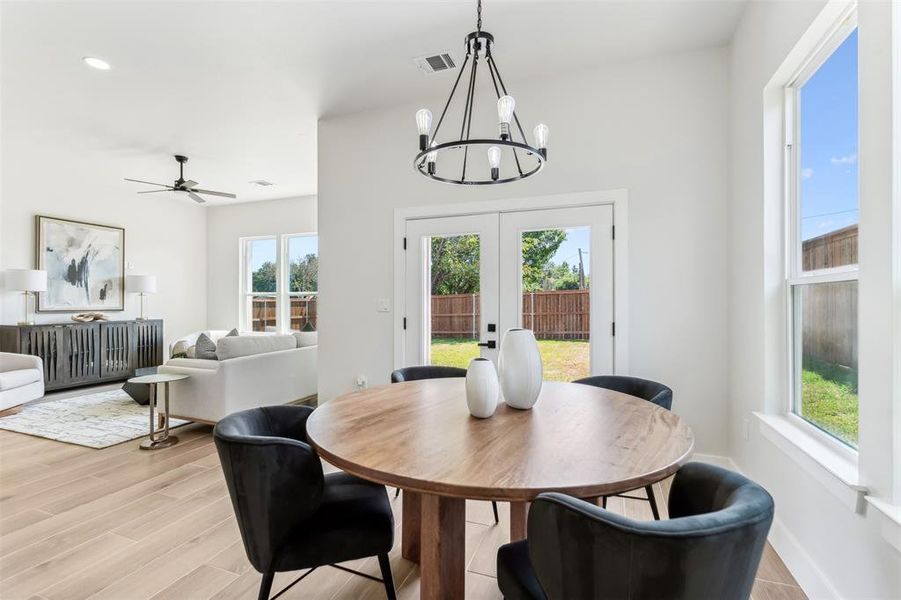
[[85, 265]]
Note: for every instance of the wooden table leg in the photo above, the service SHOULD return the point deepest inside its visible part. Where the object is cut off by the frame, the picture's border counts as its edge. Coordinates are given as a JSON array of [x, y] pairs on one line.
[[410, 526], [519, 512], [443, 552]]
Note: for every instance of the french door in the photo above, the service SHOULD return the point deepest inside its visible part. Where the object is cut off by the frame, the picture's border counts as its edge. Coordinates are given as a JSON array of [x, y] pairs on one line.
[[470, 278]]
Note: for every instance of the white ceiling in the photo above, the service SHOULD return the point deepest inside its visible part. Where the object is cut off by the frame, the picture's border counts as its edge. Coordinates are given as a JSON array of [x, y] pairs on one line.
[[239, 86]]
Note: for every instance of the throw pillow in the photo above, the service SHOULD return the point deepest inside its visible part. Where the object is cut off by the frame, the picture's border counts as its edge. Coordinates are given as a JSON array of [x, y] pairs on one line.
[[205, 348], [306, 338], [232, 333], [180, 347]]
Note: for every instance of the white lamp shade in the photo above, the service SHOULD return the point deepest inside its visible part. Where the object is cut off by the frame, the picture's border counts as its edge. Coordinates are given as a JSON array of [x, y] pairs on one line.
[[145, 284], [26, 280]]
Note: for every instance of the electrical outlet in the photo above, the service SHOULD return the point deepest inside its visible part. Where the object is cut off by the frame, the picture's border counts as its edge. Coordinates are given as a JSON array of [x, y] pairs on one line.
[[383, 305], [361, 382]]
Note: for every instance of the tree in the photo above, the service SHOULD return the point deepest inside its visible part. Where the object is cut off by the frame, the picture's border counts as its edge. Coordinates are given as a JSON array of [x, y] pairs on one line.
[[304, 274], [455, 261], [264, 278], [538, 247], [455, 265]]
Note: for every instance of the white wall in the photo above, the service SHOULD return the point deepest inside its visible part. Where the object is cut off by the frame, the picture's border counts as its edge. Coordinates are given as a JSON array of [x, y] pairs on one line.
[[163, 236], [656, 127], [831, 550], [225, 226]]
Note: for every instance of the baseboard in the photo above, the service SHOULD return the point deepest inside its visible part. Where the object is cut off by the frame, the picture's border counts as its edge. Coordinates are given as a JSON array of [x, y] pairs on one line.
[[720, 461], [802, 567]]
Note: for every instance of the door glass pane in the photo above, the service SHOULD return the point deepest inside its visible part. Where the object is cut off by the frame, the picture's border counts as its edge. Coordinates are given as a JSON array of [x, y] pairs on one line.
[[828, 161], [303, 281], [262, 282], [825, 320], [455, 316], [555, 299]]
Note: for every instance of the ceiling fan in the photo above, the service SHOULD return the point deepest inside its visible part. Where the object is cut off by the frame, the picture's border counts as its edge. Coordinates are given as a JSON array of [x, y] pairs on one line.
[[181, 185]]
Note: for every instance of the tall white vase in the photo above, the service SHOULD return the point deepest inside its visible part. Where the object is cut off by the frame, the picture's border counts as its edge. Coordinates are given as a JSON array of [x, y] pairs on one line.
[[481, 388], [521, 371]]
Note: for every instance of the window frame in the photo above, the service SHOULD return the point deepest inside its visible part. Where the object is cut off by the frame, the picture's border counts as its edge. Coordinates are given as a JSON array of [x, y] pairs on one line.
[[282, 292], [794, 274], [245, 316], [285, 312]]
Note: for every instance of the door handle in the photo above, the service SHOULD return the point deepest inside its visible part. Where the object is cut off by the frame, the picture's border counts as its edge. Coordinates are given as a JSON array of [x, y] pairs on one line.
[[489, 344]]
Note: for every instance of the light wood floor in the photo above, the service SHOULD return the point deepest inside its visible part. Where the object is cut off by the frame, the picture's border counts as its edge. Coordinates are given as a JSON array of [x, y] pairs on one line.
[[124, 524]]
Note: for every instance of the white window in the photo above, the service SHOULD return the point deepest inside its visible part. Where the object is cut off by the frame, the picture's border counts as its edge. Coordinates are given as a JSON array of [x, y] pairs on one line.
[[821, 275], [280, 282], [302, 276]]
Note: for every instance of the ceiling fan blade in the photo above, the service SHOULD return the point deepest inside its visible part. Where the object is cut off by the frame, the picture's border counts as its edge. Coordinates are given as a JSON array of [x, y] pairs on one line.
[[212, 193], [148, 182], [189, 184], [156, 191], [196, 198]]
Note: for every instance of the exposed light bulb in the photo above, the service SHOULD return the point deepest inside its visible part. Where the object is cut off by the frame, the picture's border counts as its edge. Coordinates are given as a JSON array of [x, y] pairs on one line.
[[505, 106], [423, 121], [431, 158], [494, 157], [494, 161], [540, 133], [423, 124]]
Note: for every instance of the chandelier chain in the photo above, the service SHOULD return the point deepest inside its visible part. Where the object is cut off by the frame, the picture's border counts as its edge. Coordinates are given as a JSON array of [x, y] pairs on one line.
[[479, 16]]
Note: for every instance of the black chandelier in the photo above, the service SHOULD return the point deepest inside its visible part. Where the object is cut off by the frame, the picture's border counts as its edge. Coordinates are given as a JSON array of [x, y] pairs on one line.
[[527, 159]]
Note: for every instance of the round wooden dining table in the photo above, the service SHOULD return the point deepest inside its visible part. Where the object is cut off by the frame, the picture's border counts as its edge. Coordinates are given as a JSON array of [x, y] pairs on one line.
[[419, 436]]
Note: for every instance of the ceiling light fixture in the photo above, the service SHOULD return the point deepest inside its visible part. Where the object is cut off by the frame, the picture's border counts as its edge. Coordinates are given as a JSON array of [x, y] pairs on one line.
[[97, 63], [528, 159]]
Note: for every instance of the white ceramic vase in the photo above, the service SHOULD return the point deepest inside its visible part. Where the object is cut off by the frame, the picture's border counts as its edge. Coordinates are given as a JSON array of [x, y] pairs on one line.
[[481, 388], [521, 371]]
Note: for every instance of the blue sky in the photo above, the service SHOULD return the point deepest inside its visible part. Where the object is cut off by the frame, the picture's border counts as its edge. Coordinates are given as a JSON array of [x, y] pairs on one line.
[[298, 247], [829, 197], [569, 249]]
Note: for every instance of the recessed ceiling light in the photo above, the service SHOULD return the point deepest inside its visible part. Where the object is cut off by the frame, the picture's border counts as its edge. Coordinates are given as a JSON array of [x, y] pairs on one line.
[[261, 182], [97, 63]]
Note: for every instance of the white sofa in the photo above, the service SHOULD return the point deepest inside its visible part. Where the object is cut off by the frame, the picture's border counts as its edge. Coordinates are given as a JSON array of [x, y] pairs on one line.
[[256, 371], [21, 379]]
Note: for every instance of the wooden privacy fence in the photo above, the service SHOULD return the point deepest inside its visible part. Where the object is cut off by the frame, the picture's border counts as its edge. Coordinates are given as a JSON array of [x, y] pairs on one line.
[[833, 249], [829, 311], [829, 322], [552, 315], [264, 311]]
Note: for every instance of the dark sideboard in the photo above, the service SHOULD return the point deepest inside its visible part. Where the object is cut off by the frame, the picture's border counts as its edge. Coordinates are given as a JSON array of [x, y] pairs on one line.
[[77, 354]]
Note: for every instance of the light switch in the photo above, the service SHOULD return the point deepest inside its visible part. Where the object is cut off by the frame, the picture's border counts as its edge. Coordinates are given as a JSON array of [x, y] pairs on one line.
[[383, 305]]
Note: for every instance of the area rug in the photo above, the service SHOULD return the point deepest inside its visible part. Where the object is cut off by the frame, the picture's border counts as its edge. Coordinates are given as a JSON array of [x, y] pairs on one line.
[[96, 420]]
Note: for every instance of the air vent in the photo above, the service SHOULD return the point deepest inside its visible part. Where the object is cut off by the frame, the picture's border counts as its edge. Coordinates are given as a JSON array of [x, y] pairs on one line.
[[435, 63], [261, 182]]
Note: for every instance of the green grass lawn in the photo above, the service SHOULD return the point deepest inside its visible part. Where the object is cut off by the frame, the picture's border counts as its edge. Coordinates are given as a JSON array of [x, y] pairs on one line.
[[829, 398], [564, 360]]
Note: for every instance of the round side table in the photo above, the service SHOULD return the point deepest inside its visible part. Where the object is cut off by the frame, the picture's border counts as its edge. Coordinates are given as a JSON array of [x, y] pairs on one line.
[[159, 436]]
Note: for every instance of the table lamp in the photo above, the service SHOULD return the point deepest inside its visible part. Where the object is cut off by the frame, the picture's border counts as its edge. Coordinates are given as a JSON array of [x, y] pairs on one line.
[[142, 285], [27, 281]]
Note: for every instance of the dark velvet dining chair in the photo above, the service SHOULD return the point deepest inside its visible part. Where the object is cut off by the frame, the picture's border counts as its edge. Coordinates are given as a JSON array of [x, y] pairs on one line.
[[431, 372], [292, 516], [709, 548], [653, 392]]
